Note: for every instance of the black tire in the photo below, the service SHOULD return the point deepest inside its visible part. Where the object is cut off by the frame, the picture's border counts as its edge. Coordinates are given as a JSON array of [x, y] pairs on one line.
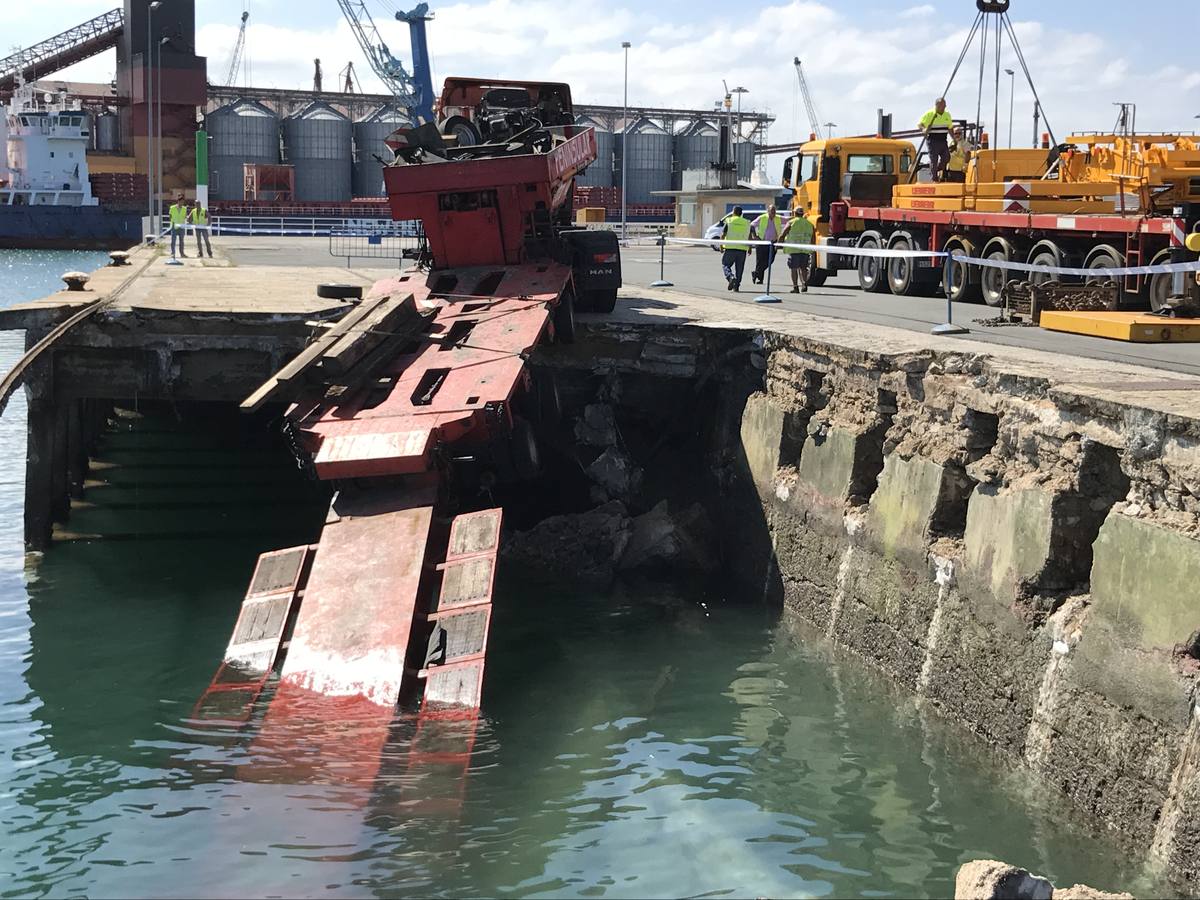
[[961, 287], [541, 404], [1042, 258], [817, 277], [524, 455], [992, 281], [330, 291], [872, 271], [1157, 290], [902, 271], [604, 301], [463, 129], [564, 319]]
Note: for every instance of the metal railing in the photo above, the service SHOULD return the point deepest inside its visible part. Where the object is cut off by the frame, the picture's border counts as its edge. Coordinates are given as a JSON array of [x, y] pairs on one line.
[[311, 226], [73, 45], [376, 243]]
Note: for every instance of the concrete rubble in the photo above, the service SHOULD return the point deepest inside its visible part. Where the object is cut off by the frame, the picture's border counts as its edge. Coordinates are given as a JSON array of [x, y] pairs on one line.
[[987, 879]]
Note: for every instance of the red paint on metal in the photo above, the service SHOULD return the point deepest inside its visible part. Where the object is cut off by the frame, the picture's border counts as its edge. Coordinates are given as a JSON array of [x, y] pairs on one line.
[[1023, 221]]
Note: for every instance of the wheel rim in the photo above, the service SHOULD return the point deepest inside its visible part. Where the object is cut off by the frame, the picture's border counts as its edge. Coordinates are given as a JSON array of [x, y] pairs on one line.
[[899, 269], [1159, 291], [1042, 259], [868, 266], [1098, 265], [993, 280], [957, 276]]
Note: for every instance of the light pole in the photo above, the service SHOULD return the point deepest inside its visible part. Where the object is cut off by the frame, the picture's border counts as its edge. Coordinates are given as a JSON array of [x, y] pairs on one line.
[[829, 126], [625, 45], [148, 91], [1012, 86], [739, 90], [158, 120]]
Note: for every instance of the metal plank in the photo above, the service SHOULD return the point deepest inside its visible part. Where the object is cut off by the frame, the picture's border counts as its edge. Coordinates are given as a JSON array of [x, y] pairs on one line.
[[277, 571], [475, 533], [467, 582], [458, 686]]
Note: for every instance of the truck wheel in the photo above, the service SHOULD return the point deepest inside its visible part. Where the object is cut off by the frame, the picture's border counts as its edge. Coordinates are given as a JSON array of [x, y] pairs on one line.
[[604, 301], [524, 455], [901, 271], [962, 288], [817, 277], [463, 129], [872, 272], [1158, 286], [329, 291], [992, 280], [1048, 254], [564, 319]]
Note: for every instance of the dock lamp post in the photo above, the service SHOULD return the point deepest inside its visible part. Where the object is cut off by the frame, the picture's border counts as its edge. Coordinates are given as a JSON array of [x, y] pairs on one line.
[[625, 45], [1012, 86], [148, 91]]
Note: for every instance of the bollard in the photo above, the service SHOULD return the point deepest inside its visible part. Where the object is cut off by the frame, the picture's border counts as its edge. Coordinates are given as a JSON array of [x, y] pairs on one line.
[[948, 327], [768, 297], [662, 250]]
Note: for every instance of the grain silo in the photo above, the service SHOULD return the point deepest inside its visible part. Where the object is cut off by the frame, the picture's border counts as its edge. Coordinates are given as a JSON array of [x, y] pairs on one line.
[[696, 147], [316, 143], [648, 162], [370, 149], [106, 132], [743, 154], [599, 173], [240, 132]]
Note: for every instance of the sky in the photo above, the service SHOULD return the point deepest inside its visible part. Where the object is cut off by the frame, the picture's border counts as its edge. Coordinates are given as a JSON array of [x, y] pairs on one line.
[[1083, 56]]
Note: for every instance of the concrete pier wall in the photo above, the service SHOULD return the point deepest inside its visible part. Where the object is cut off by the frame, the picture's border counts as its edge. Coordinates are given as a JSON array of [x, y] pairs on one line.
[[1024, 557]]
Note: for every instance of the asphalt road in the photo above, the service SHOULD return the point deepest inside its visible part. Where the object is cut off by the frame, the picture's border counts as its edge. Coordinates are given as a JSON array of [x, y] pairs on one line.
[[697, 270]]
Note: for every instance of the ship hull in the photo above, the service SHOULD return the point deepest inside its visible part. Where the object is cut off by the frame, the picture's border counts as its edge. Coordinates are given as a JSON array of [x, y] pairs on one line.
[[68, 228]]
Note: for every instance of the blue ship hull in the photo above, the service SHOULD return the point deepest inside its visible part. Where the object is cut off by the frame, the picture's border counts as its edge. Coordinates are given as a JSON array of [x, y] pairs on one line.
[[69, 228]]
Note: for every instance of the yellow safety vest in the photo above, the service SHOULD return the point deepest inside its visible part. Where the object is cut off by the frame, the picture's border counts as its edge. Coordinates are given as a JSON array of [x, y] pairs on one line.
[[958, 159], [799, 231], [760, 226], [937, 123], [178, 214], [200, 216], [737, 230]]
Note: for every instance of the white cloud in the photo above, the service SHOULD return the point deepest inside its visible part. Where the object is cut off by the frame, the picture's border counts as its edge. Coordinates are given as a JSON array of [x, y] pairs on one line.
[[915, 12]]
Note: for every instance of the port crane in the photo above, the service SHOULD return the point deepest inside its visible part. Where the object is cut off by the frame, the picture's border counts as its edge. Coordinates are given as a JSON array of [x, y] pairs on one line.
[[414, 92], [235, 61], [814, 118]]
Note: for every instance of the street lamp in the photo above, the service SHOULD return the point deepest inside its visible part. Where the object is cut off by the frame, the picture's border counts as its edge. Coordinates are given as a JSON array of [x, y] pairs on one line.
[[625, 45], [829, 126], [158, 119], [148, 91], [1012, 86], [739, 90]]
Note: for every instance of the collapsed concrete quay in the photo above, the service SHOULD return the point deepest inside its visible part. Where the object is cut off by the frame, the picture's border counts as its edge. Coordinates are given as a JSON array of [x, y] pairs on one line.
[[1012, 536]]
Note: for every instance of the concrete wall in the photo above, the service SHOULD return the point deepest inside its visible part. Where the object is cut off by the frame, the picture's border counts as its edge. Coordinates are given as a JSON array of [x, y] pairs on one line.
[[1028, 566]]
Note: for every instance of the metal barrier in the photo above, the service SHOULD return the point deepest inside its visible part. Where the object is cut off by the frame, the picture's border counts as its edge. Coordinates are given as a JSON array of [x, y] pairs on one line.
[[375, 243], [310, 226]]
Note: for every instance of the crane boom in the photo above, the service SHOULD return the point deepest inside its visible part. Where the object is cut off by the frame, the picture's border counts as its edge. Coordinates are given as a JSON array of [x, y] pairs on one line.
[[235, 61], [814, 118], [413, 93]]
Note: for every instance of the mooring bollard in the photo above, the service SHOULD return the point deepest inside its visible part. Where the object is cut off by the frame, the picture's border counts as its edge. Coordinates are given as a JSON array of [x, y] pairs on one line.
[[948, 327], [768, 297], [662, 250]]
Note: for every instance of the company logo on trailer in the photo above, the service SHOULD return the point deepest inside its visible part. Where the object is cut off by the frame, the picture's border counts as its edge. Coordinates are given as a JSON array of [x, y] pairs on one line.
[[574, 154]]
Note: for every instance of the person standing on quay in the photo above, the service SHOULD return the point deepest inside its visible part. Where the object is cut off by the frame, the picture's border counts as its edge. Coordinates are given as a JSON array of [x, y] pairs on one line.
[[734, 248], [766, 227], [179, 217], [199, 219], [937, 124], [798, 231]]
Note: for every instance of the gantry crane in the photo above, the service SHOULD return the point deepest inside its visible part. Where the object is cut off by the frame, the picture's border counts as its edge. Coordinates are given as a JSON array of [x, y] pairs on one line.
[[235, 61], [413, 92], [814, 118]]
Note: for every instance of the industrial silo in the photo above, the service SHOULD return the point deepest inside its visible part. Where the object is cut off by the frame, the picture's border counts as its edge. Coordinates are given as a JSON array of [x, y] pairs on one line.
[[240, 132], [743, 153], [648, 162], [316, 143], [599, 173], [106, 132], [370, 132], [696, 147]]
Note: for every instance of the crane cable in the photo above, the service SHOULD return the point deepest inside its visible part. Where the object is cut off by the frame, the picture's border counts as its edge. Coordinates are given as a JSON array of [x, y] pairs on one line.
[[961, 56]]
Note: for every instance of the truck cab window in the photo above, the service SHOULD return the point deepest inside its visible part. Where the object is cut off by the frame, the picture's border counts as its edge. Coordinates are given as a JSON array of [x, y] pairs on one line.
[[869, 162], [808, 167]]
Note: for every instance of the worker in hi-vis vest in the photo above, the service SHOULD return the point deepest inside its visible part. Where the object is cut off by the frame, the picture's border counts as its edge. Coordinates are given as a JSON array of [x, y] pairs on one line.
[[179, 216], [766, 227], [937, 124], [798, 231], [199, 219], [734, 235], [956, 162]]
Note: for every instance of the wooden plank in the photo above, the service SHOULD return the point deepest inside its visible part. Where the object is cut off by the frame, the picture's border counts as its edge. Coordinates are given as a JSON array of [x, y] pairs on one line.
[[294, 370], [395, 314]]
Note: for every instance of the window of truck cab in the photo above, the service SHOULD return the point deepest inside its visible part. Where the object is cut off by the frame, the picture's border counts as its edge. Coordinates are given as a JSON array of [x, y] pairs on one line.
[[808, 167], [869, 162]]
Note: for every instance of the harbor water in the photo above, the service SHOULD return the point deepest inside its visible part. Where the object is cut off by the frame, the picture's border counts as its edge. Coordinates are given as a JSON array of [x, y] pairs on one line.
[[649, 740]]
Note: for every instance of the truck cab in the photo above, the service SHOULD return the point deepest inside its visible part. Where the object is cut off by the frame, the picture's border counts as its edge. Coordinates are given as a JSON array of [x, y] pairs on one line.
[[827, 176]]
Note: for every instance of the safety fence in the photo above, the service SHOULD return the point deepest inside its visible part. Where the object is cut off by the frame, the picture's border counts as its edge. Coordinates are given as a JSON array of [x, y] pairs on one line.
[[310, 226], [374, 243], [1178, 270]]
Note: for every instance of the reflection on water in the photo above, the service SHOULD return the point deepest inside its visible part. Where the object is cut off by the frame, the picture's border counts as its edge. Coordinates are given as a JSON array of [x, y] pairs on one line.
[[649, 741]]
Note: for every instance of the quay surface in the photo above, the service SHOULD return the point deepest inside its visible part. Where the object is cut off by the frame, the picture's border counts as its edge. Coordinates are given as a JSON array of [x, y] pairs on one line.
[[1007, 523]]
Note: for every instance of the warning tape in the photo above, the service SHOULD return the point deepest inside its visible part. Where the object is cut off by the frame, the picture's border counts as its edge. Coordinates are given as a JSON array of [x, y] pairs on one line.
[[884, 253]]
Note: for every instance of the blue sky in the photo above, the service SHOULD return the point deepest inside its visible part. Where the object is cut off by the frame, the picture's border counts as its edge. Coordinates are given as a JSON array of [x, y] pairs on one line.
[[860, 56]]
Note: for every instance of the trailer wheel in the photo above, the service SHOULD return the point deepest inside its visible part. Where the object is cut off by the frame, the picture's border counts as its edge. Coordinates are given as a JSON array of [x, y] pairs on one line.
[[1158, 286], [902, 271], [602, 301], [992, 280], [518, 456], [1047, 254], [872, 273], [963, 287], [564, 319]]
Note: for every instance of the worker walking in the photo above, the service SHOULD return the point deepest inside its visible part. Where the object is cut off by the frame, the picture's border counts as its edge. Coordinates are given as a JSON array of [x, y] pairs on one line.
[[937, 124], [798, 231], [956, 162], [766, 227], [179, 217], [199, 219], [734, 248]]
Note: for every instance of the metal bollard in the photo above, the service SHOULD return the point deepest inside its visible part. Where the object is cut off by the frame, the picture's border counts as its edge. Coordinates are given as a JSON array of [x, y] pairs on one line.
[[948, 327], [662, 250], [768, 297]]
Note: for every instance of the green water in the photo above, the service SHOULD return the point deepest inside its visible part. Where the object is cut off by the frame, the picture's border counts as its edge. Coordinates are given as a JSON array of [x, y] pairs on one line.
[[654, 740]]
